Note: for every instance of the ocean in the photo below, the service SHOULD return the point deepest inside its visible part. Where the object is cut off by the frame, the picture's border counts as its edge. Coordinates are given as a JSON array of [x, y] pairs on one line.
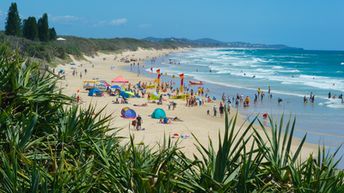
[[291, 75]]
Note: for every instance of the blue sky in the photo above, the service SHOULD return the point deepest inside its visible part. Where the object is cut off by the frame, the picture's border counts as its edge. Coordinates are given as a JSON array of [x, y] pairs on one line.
[[311, 24]]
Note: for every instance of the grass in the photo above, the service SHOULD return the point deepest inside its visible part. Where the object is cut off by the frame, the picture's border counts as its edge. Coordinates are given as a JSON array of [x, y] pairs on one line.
[[50, 144]]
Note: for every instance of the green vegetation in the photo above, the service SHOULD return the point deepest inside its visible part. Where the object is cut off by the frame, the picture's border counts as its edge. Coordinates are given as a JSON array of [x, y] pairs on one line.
[[52, 34], [13, 21], [49, 51], [30, 29], [50, 144], [43, 28]]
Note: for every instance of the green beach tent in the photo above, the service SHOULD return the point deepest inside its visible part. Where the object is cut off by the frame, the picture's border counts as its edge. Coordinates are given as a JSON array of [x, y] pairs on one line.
[[158, 114]]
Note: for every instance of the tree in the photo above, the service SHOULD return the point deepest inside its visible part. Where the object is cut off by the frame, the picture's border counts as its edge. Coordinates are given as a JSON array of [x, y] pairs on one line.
[[52, 34], [30, 30], [13, 21], [43, 28]]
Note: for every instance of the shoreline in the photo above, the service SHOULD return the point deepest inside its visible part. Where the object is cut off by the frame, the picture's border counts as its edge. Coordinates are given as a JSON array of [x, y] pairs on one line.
[[194, 119]]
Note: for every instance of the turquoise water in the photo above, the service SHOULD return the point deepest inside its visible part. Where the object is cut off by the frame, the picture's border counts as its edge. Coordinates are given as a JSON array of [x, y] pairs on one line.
[[291, 74]]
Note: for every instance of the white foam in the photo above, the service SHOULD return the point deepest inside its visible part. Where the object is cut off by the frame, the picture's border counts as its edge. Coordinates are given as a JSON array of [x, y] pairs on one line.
[[277, 67], [334, 103], [239, 63]]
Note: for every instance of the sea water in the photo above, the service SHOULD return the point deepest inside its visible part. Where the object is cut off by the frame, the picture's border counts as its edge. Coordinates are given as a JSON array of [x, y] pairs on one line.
[[291, 75]]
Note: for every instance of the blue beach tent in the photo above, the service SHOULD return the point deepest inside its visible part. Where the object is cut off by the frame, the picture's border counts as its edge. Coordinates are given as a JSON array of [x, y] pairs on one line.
[[95, 91], [114, 87], [128, 113], [158, 114]]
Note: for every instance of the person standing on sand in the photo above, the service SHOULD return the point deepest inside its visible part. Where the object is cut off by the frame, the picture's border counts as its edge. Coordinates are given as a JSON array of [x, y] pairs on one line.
[[221, 109], [80, 75], [138, 122], [215, 110]]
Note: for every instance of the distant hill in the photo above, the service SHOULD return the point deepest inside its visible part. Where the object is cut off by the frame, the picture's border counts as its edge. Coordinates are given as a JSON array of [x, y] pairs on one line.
[[208, 42]]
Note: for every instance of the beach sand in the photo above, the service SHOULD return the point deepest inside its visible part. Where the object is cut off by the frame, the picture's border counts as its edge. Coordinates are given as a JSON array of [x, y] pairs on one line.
[[195, 119]]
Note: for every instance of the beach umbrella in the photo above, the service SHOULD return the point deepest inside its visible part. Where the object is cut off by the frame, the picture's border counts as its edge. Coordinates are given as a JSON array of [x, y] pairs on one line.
[[119, 79], [158, 113], [115, 87]]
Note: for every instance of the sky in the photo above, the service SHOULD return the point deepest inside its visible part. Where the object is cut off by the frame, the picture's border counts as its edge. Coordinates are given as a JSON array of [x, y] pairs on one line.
[[310, 24]]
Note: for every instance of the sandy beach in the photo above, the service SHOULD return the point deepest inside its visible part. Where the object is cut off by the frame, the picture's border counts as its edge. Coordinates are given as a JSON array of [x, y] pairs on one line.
[[194, 119]]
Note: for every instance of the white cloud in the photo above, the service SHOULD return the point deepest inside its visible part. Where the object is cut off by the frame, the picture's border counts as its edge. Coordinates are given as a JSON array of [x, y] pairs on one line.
[[65, 19], [119, 21]]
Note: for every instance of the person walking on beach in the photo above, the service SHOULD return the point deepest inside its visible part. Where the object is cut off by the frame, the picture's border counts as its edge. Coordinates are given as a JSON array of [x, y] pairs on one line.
[[221, 109], [255, 98], [80, 75], [138, 69], [262, 96], [214, 110]]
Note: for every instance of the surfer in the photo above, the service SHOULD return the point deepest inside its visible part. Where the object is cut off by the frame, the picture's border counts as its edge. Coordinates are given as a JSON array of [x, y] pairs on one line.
[[329, 95]]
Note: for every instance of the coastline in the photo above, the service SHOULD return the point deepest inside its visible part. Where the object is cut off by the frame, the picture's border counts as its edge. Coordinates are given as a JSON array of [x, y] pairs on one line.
[[195, 120]]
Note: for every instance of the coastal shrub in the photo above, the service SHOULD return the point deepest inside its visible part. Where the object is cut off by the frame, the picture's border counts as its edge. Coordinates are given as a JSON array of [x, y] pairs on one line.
[[76, 46], [50, 144]]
